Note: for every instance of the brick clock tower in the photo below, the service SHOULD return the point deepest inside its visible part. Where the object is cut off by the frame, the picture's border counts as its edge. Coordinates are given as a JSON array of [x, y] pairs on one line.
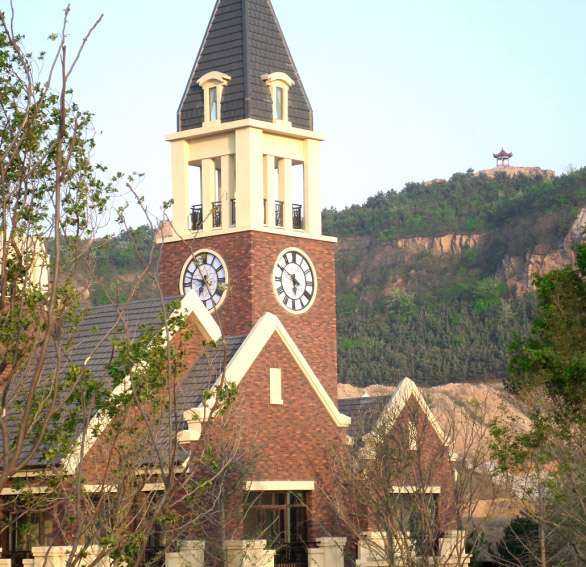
[[246, 230]]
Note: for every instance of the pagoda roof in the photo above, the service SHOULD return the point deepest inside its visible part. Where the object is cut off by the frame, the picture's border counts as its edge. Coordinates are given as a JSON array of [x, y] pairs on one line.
[[244, 40], [503, 154]]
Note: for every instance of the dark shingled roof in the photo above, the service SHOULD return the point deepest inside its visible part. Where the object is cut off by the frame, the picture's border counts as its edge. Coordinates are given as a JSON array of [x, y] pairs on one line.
[[364, 413], [245, 41], [94, 334]]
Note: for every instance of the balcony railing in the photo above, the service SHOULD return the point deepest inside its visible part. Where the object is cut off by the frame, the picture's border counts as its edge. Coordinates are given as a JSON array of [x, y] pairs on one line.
[[291, 555], [154, 557], [278, 213], [217, 214], [297, 216], [196, 217]]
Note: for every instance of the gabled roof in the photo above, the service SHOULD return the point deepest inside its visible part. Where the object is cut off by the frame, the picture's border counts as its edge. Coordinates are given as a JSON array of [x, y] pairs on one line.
[[267, 326], [370, 413], [244, 40], [89, 345]]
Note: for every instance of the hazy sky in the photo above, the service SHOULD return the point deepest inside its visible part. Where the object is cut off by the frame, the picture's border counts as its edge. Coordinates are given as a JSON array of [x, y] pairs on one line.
[[404, 91]]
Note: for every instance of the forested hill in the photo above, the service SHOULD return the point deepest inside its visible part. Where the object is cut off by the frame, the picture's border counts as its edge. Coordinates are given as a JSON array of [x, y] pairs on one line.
[[431, 280]]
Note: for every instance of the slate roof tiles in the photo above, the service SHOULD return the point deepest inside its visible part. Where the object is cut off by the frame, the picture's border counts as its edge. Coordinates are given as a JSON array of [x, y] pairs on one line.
[[244, 40]]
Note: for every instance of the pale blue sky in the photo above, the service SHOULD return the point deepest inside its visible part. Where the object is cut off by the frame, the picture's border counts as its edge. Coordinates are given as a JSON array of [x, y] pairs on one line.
[[404, 91]]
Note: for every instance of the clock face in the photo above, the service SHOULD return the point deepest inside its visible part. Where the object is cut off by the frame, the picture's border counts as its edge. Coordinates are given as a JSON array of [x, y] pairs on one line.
[[294, 281], [206, 274]]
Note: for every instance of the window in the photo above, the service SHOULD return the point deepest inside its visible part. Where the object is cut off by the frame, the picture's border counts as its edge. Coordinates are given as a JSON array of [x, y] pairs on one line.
[[279, 84], [213, 105], [29, 529], [416, 512], [278, 517], [279, 103], [213, 84]]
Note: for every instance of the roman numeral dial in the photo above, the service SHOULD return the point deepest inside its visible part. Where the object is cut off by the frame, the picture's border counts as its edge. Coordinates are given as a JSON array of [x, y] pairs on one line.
[[294, 280], [205, 273]]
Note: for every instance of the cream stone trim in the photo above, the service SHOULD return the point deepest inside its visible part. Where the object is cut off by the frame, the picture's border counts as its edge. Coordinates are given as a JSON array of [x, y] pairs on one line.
[[307, 258], [190, 304], [207, 82], [30, 490], [283, 81], [213, 128], [97, 488], [406, 389], [153, 487], [191, 258], [248, 352], [416, 490], [279, 485], [275, 387], [253, 345], [235, 229]]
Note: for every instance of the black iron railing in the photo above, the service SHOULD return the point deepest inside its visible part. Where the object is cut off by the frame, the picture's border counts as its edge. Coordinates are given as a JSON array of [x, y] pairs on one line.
[[291, 555], [233, 210], [217, 214], [17, 556], [278, 213], [154, 557], [196, 217], [297, 216]]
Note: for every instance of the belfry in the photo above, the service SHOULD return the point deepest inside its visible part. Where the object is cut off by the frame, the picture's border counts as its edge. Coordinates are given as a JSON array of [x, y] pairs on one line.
[[246, 230]]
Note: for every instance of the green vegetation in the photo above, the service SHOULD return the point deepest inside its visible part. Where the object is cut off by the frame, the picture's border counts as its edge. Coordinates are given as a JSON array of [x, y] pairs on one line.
[[435, 318], [449, 317], [547, 375]]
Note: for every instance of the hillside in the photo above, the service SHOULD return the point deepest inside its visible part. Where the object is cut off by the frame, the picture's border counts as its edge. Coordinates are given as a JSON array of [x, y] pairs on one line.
[[433, 281]]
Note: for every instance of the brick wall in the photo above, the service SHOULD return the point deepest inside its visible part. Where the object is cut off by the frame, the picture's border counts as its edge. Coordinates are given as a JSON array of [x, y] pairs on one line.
[[250, 258]]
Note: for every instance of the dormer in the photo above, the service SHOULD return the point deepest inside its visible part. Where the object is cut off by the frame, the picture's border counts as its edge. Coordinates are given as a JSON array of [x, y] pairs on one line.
[[279, 84], [213, 84]]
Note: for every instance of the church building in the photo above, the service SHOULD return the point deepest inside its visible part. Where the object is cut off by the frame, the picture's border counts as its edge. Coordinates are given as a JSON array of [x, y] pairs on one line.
[[245, 261]]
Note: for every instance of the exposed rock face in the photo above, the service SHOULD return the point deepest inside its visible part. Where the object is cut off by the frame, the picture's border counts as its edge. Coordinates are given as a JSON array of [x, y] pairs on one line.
[[512, 171], [519, 273], [451, 243]]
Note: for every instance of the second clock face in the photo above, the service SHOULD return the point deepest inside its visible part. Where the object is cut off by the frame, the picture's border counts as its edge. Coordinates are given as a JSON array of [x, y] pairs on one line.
[[294, 281], [206, 274]]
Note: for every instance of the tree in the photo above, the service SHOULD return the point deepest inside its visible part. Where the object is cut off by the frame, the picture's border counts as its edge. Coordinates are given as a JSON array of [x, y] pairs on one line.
[[398, 494], [90, 460], [548, 376]]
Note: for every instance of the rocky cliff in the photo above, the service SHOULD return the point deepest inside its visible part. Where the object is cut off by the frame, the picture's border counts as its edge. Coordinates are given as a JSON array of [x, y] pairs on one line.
[[512, 171], [519, 272]]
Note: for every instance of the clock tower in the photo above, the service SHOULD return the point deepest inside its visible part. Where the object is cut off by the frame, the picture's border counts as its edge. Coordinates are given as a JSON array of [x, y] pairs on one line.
[[246, 230]]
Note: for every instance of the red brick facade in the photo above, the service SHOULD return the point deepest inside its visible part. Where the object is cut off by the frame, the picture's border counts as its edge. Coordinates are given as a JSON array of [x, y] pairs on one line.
[[250, 258]]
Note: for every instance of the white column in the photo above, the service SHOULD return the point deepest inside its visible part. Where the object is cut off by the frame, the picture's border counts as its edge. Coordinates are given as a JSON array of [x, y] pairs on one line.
[[312, 189], [248, 553], [5, 562], [190, 554], [55, 556], [208, 191], [329, 552], [226, 189], [368, 550], [286, 191], [269, 188], [180, 186], [249, 178]]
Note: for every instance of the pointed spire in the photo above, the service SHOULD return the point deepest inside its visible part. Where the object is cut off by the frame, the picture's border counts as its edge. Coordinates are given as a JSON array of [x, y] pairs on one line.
[[244, 40]]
